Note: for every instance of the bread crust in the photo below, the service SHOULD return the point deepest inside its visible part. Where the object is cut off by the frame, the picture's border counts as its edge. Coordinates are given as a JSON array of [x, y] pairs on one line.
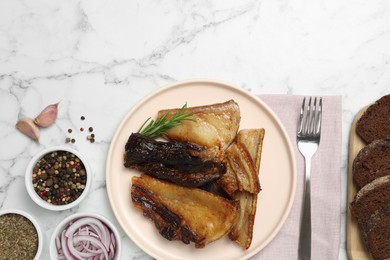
[[372, 162], [374, 123], [370, 198]]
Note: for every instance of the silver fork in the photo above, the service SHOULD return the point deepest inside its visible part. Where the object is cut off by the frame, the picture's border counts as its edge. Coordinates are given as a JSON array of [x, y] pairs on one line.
[[308, 139]]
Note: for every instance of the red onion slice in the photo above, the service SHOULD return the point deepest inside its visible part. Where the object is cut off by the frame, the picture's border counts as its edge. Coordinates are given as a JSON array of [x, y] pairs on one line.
[[64, 247], [86, 238]]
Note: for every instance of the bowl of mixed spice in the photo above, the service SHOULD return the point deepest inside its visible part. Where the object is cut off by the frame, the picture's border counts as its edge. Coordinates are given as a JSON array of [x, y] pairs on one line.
[[20, 235], [58, 178]]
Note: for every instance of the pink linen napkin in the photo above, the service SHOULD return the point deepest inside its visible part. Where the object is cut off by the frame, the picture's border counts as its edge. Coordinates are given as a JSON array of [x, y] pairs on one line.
[[325, 183]]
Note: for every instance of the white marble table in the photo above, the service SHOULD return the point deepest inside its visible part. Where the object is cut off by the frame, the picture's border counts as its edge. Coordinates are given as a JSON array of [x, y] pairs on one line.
[[100, 57]]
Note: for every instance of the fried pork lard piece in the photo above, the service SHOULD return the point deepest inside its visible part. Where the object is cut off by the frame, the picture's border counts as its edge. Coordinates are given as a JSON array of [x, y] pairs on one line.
[[242, 231], [172, 161], [186, 214], [141, 149], [240, 164], [215, 127], [211, 171]]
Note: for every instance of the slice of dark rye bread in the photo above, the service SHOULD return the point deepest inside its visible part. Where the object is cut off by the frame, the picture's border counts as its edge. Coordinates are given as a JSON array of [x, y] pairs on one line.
[[373, 161], [370, 198], [376, 233], [374, 123]]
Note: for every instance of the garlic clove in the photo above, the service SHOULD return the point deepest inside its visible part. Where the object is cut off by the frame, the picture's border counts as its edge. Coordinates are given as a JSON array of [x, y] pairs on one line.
[[48, 116], [26, 126]]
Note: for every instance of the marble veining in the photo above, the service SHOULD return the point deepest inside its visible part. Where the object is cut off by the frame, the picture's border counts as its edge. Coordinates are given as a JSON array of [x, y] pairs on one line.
[[99, 58]]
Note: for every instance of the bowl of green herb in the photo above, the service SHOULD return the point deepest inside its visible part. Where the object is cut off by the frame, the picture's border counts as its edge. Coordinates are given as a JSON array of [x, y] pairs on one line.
[[58, 178], [21, 236]]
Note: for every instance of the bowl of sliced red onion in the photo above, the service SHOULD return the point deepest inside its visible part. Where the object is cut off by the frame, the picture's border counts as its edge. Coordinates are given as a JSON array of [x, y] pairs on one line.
[[85, 236]]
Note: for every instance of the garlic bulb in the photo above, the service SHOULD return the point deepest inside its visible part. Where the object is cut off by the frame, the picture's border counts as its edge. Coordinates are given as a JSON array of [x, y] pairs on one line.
[[48, 116], [28, 127]]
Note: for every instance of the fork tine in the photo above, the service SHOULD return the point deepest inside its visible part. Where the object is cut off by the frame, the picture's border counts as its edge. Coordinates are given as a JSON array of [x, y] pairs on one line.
[[319, 118], [300, 120], [313, 117], [308, 116]]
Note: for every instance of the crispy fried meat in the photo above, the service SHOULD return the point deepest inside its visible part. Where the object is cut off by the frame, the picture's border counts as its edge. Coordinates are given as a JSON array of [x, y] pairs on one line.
[[180, 213], [214, 127], [141, 149], [173, 161], [242, 231], [209, 172]]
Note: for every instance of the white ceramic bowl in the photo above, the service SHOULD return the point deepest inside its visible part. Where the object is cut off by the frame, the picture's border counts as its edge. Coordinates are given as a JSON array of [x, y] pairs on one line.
[[35, 223], [30, 188], [60, 227]]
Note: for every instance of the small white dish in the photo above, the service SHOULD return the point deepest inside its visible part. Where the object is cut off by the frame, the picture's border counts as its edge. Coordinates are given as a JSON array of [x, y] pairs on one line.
[[29, 179], [63, 224], [34, 222]]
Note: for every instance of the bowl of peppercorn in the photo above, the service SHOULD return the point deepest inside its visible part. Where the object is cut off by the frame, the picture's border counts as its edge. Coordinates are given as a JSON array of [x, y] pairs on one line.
[[20, 235], [58, 178]]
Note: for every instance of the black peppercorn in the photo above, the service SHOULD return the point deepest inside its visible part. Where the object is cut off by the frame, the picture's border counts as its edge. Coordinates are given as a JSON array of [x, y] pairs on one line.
[[49, 182]]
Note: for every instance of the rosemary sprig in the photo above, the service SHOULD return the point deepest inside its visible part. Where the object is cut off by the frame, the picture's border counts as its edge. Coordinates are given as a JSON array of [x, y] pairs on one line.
[[155, 129]]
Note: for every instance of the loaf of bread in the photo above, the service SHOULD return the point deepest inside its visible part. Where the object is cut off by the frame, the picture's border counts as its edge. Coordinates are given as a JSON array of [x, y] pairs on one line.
[[376, 233], [372, 162], [370, 208], [371, 198], [371, 174], [375, 122]]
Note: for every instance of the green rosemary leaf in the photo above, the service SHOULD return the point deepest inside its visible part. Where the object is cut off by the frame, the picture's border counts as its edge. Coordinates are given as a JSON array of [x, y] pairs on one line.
[[157, 128]]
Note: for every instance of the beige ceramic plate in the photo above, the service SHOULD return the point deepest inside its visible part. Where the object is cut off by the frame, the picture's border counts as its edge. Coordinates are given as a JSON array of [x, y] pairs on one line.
[[277, 173]]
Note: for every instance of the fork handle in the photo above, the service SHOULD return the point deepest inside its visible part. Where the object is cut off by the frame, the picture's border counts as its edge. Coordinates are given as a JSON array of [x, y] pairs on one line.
[[304, 249]]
